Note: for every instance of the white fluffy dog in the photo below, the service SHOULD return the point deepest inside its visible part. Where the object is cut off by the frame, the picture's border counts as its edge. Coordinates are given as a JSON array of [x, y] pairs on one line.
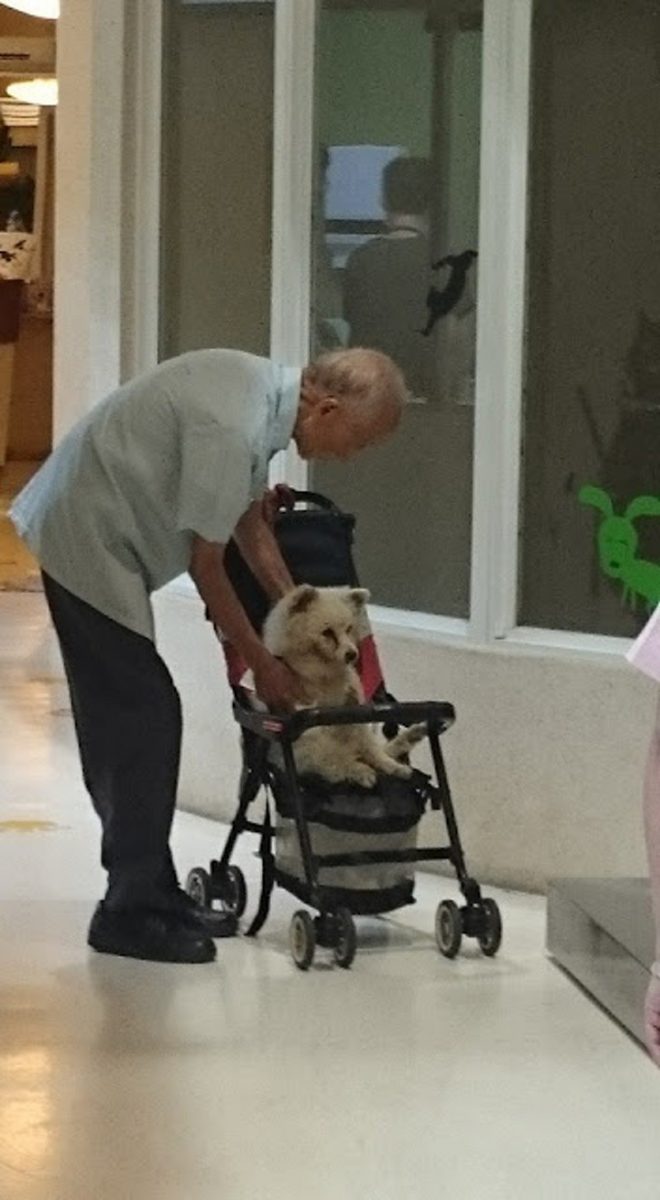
[[315, 631]]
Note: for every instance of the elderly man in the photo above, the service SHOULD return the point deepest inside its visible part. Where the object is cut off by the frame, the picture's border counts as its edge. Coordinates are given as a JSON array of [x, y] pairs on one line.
[[151, 483]]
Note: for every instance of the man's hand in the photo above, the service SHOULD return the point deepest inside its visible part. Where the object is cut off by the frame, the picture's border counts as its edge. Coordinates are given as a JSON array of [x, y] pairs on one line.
[[652, 1019], [273, 500], [276, 684]]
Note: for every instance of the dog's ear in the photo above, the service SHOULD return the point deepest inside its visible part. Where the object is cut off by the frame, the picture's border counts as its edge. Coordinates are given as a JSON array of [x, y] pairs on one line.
[[359, 597], [302, 598]]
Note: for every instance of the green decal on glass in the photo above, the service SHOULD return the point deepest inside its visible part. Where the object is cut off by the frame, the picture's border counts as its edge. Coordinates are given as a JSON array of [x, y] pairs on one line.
[[617, 545]]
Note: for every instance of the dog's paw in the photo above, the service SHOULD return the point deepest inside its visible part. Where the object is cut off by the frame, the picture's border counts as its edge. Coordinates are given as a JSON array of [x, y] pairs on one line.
[[416, 733], [363, 775], [392, 766]]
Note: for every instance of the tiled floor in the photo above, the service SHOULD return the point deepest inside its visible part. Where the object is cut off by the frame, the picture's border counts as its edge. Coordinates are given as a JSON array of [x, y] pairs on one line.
[[18, 569], [408, 1077]]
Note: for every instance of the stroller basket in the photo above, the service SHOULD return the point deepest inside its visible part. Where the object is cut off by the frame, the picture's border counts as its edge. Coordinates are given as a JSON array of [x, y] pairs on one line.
[[342, 850], [351, 836]]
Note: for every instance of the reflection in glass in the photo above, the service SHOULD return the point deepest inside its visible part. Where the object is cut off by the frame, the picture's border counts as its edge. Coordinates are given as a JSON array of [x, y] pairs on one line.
[[394, 267], [592, 422], [395, 249]]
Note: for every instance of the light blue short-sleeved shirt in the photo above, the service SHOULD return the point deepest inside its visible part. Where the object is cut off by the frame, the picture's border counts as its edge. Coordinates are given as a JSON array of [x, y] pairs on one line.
[[181, 450]]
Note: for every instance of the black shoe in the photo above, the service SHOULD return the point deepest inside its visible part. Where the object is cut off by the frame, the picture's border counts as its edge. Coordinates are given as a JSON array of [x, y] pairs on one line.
[[214, 922], [148, 934]]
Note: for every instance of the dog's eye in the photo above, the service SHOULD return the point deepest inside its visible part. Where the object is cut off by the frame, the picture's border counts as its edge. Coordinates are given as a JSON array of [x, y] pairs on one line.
[[329, 633]]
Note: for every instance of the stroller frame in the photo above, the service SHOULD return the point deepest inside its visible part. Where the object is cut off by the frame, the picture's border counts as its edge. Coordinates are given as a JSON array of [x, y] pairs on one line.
[[333, 926]]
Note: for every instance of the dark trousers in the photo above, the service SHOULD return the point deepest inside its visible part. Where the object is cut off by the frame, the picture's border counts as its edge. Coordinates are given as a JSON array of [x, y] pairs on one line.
[[127, 715]]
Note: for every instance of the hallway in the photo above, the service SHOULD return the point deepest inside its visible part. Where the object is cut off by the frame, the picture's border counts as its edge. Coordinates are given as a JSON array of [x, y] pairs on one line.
[[408, 1077]]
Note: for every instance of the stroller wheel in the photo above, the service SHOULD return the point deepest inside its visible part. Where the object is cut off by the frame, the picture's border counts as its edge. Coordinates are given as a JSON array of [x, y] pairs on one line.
[[232, 889], [490, 939], [302, 939], [198, 887], [346, 944], [448, 928]]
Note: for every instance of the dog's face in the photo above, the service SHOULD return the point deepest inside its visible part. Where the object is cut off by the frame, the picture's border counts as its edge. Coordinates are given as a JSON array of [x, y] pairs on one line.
[[316, 626]]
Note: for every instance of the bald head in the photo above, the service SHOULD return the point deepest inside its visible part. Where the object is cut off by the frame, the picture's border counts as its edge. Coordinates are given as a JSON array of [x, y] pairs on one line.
[[349, 399], [367, 384]]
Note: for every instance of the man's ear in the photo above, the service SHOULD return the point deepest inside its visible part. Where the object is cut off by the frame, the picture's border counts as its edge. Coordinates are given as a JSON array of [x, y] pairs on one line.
[[302, 597], [326, 404], [359, 597]]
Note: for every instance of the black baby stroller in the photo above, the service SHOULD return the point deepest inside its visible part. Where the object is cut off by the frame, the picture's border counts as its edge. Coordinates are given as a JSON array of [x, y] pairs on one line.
[[344, 850]]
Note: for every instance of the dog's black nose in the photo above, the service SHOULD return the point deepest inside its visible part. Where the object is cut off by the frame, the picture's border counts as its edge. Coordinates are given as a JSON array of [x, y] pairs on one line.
[[351, 656]]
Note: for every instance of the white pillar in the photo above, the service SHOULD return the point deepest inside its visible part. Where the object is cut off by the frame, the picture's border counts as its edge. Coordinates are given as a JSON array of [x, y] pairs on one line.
[[505, 104], [293, 171], [88, 218], [141, 186]]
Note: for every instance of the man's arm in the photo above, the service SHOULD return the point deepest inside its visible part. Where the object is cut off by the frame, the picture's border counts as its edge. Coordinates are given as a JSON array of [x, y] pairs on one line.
[[274, 682], [258, 546]]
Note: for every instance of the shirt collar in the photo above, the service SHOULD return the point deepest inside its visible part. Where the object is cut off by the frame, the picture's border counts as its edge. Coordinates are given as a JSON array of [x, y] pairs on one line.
[[285, 407]]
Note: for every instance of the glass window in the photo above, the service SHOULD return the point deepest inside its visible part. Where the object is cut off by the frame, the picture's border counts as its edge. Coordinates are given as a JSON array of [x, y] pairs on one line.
[[395, 244], [217, 139], [591, 489]]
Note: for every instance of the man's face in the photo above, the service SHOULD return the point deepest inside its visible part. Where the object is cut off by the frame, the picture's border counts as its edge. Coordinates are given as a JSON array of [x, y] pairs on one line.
[[330, 432]]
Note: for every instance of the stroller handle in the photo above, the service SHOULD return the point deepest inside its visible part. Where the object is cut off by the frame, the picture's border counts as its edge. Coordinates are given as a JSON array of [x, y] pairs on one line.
[[315, 498], [438, 715]]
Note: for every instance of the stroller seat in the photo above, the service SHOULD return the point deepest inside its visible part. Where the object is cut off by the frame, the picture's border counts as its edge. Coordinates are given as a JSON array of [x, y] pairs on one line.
[[341, 849]]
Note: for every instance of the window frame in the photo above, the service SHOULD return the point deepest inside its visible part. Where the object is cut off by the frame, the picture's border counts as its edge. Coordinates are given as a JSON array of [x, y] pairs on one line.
[[505, 133], [499, 398]]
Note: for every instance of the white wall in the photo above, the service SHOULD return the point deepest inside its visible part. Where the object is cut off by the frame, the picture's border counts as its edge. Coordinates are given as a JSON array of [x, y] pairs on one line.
[[211, 760], [217, 168], [545, 760]]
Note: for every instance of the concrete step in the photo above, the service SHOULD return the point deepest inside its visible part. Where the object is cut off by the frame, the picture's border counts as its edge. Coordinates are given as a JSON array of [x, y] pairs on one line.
[[601, 932]]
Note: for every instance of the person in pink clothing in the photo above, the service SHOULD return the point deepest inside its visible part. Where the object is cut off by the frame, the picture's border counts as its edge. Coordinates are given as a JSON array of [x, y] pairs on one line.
[[644, 654], [652, 830]]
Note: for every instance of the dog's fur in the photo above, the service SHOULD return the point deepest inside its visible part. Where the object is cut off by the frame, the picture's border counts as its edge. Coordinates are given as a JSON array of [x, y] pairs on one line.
[[315, 631]]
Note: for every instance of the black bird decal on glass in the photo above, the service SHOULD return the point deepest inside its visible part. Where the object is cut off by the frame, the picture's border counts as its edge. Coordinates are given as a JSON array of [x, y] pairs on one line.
[[440, 303]]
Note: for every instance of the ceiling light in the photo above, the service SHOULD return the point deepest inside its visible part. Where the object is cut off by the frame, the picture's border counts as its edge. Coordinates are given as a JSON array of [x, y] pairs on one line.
[[36, 8], [42, 92], [18, 114]]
